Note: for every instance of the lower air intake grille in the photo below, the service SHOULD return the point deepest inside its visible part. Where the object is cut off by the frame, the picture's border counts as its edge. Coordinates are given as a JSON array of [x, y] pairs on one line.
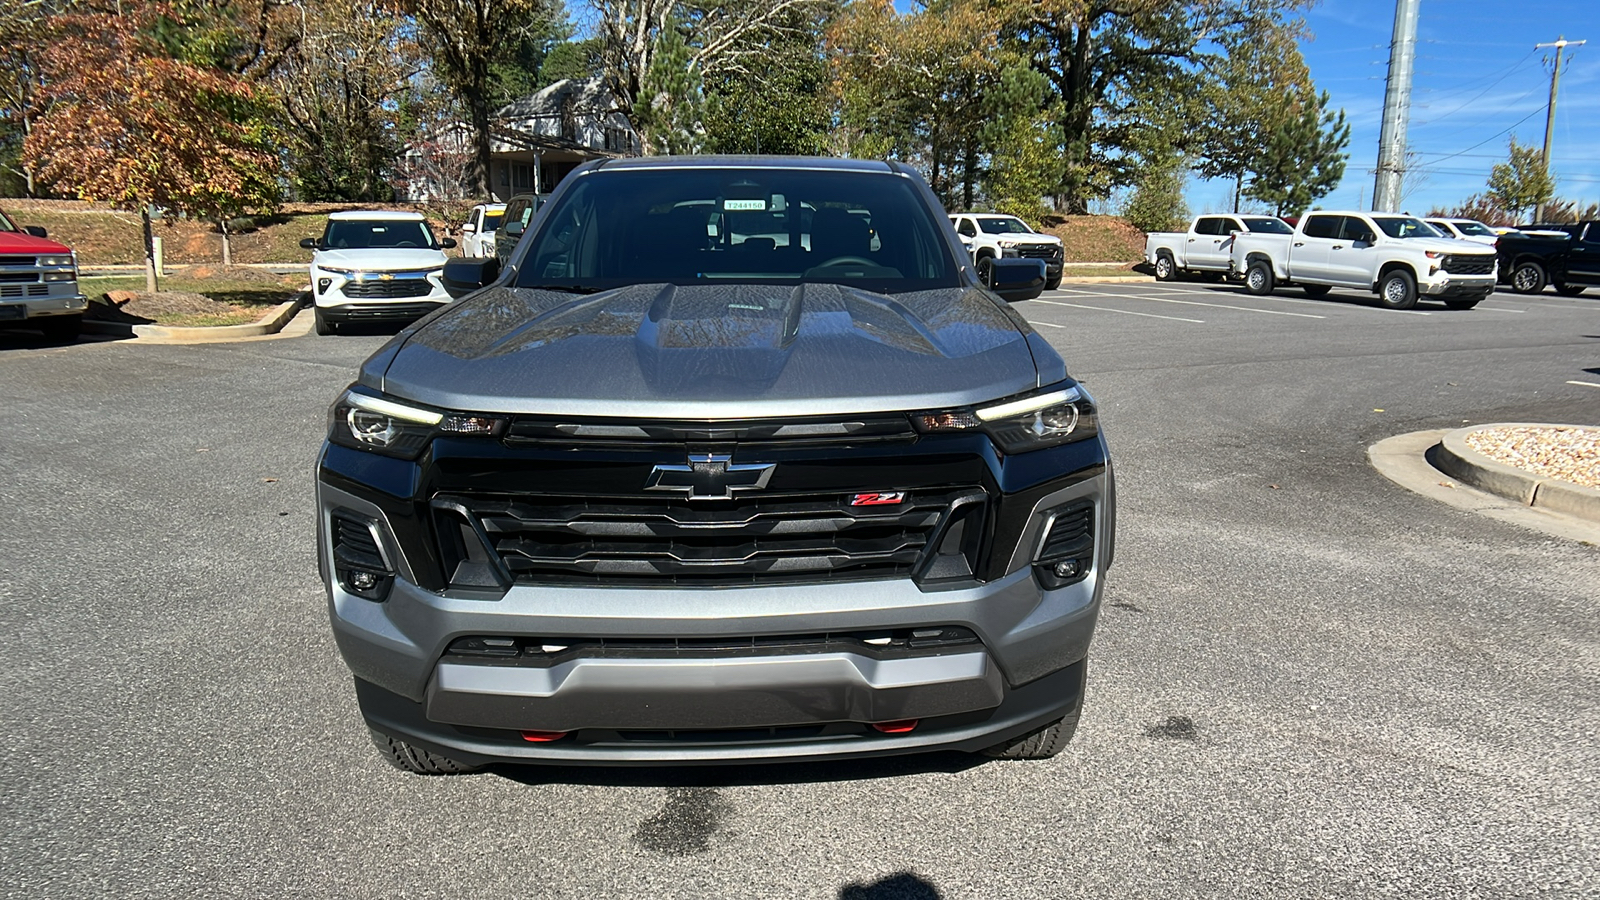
[[667, 541], [353, 544], [400, 287], [1071, 533], [1457, 264]]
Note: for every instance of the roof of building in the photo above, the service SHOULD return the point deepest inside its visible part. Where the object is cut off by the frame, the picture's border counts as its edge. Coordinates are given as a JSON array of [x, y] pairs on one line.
[[586, 96]]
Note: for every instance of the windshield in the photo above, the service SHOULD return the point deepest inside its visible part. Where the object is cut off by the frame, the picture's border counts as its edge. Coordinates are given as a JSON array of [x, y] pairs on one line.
[[757, 225], [371, 234], [492, 220], [1004, 225], [1268, 226], [1476, 229], [1405, 227]]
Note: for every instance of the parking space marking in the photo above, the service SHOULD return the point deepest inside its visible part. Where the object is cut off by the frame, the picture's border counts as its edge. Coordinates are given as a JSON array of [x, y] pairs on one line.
[[1248, 309], [1498, 309], [1126, 312], [1282, 299], [1585, 383]]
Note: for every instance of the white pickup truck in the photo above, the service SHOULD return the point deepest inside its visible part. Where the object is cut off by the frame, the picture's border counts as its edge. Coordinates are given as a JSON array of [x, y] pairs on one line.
[[1397, 257], [1206, 246]]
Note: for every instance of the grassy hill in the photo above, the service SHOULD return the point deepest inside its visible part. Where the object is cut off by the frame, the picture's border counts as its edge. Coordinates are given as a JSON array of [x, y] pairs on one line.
[[105, 237]]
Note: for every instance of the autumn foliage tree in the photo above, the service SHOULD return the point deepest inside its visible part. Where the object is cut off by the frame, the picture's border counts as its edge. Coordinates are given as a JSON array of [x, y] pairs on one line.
[[128, 125]]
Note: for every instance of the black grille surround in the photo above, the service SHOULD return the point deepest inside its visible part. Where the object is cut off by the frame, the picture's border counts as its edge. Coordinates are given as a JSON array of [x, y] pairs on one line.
[[376, 289], [490, 540], [1469, 264], [29, 261], [1044, 251]]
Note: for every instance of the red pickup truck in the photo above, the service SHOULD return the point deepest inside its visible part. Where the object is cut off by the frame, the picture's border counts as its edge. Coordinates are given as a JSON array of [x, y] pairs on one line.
[[38, 283]]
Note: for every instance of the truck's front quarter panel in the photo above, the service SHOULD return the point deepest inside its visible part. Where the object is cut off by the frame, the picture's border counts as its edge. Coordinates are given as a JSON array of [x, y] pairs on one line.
[[647, 628]]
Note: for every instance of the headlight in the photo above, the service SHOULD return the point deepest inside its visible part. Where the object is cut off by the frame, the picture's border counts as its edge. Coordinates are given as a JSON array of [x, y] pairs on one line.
[[1032, 422], [48, 261], [59, 276], [368, 422], [1008, 244], [345, 272]]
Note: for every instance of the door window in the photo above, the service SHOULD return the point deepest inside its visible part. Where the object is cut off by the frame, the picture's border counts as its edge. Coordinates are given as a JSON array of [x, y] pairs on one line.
[[967, 229], [1206, 225], [1322, 227]]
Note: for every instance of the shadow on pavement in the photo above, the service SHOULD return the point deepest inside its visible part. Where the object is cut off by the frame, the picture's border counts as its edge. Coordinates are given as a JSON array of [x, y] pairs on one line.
[[742, 775], [900, 886]]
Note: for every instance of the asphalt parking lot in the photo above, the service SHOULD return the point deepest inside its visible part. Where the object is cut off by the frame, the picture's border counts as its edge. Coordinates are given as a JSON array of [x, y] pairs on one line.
[[1307, 682]]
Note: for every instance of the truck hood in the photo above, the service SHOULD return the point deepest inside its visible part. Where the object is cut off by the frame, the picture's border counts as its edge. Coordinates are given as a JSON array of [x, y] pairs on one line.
[[21, 242], [392, 259], [1444, 245], [712, 352]]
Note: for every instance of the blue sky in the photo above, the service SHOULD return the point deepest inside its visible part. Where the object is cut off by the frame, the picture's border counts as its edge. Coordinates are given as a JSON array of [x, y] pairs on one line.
[[1478, 80]]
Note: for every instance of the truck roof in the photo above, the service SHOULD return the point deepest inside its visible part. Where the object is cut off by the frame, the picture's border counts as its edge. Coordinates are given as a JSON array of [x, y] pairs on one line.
[[371, 214]]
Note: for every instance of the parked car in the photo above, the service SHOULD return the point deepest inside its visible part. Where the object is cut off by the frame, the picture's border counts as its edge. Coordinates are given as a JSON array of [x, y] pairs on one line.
[[1466, 230], [991, 236], [477, 233], [375, 265], [1206, 247], [651, 494], [1398, 257], [39, 283], [1568, 258], [520, 210]]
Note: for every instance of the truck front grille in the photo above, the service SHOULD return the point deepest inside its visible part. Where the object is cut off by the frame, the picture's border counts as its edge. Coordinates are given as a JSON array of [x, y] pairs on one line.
[[1042, 251], [19, 277], [1474, 264], [20, 290], [671, 541], [28, 261], [387, 290]]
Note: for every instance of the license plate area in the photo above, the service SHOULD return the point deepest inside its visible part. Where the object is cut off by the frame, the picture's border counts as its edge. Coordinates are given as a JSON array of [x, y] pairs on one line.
[[13, 311]]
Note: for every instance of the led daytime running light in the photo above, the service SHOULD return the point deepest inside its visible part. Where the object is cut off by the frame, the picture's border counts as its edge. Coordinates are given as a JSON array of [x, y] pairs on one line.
[[1027, 405], [394, 410]]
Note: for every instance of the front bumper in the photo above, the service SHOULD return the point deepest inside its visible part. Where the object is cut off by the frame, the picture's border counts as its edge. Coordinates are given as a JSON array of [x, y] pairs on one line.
[[1457, 285], [617, 710], [65, 304], [381, 310]]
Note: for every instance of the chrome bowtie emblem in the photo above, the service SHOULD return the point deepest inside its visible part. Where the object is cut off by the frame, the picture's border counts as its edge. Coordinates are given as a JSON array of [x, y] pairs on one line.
[[710, 476]]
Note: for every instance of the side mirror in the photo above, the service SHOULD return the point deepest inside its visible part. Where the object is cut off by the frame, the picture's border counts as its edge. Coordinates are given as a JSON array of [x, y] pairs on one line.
[[469, 228], [1017, 279], [35, 230], [513, 227], [448, 243], [1367, 237], [465, 274], [309, 243]]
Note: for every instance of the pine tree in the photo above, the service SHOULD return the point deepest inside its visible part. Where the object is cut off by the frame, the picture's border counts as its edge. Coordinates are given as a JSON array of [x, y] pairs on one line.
[[1303, 159]]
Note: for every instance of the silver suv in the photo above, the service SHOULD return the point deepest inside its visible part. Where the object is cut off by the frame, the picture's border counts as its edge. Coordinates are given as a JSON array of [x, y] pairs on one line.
[[735, 459]]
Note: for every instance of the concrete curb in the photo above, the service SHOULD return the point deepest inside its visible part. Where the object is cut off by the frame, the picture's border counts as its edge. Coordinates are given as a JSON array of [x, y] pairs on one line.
[[271, 323], [1409, 461], [1472, 467]]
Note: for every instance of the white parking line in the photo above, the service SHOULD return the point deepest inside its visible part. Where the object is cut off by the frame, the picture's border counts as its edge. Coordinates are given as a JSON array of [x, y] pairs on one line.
[[1126, 312], [1281, 299], [1498, 309], [1585, 383], [1264, 312]]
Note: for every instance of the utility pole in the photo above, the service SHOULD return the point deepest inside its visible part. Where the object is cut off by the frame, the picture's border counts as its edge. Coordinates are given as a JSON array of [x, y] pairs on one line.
[[1550, 112], [1396, 108]]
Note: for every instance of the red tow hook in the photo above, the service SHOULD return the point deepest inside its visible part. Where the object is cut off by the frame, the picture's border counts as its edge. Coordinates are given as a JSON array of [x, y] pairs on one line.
[[898, 726], [543, 737]]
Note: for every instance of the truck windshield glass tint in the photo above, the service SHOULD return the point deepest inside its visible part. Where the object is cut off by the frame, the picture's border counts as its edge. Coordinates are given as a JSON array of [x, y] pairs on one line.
[[1405, 227], [1475, 229], [691, 226], [368, 234], [1004, 226], [1268, 226]]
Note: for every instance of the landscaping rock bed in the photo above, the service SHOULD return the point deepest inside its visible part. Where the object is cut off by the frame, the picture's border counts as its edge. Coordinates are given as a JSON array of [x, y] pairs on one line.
[[1566, 452]]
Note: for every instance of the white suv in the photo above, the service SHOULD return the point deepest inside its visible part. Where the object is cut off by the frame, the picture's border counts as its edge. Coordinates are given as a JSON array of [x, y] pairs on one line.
[[373, 265]]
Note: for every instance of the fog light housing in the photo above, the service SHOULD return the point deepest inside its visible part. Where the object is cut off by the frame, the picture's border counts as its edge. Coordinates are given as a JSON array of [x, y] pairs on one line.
[[323, 284], [1067, 552]]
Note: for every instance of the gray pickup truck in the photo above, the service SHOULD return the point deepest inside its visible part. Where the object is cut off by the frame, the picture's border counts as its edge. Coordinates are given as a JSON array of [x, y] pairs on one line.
[[734, 459]]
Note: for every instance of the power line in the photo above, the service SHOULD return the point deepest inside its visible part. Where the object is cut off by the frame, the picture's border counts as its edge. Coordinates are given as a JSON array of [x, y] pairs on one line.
[[1492, 136]]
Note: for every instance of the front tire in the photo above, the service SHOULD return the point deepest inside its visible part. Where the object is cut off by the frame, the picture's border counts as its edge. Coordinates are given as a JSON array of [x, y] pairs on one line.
[[1315, 290], [1166, 269], [416, 760], [1053, 283], [1258, 279], [323, 325], [1528, 278], [1041, 744], [986, 272], [1569, 290], [1397, 290]]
